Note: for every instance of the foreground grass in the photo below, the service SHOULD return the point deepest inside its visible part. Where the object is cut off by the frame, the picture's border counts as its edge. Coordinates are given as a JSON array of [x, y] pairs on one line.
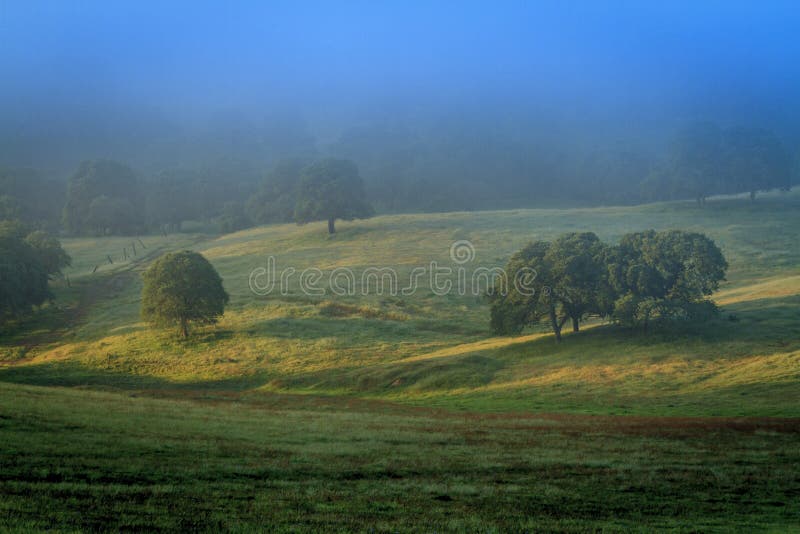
[[76, 459]]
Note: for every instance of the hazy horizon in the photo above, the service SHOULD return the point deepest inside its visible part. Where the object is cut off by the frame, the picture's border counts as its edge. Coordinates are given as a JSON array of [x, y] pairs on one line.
[[141, 83]]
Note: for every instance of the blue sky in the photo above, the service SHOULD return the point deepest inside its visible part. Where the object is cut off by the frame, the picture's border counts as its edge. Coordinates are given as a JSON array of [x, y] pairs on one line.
[[627, 62]]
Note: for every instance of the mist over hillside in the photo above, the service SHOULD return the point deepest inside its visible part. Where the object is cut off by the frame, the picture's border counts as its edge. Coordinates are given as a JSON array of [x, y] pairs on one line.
[[441, 107]]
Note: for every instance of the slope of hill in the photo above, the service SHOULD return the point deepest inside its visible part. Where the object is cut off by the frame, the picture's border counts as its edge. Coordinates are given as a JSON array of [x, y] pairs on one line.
[[436, 350]]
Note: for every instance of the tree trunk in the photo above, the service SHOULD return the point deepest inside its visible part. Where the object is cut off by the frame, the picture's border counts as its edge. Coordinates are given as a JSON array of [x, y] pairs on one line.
[[575, 326], [331, 227], [184, 328], [555, 323]]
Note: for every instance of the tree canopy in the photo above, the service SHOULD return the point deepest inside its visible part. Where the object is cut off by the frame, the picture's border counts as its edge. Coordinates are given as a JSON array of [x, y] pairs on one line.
[[104, 197], [664, 275], [569, 285], [172, 198], [756, 161], [331, 189], [276, 198], [30, 198], [233, 217], [182, 288], [29, 261], [708, 160], [648, 275]]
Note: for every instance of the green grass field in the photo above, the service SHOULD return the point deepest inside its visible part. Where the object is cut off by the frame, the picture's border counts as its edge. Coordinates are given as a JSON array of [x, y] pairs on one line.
[[404, 412]]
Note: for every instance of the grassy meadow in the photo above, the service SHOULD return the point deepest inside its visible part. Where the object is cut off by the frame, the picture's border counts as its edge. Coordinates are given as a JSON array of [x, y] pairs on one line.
[[403, 412], [95, 460]]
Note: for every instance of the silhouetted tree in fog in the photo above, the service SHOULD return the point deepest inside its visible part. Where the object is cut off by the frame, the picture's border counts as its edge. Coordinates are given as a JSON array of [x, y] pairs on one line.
[[173, 197], [331, 189], [104, 196], [275, 200], [28, 197], [756, 161], [698, 161], [233, 217]]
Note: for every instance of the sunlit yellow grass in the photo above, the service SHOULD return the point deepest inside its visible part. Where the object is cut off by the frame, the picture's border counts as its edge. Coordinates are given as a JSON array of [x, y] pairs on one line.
[[780, 286], [424, 348], [478, 346]]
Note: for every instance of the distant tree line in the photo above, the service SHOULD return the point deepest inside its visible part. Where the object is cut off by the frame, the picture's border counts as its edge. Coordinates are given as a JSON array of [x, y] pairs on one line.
[[648, 276], [707, 160], [466, 165], [28, 197], [105, 197], [461, 165]]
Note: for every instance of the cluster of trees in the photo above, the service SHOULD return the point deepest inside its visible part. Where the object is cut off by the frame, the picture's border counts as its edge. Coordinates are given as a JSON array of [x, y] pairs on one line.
[[708, 160], [469, 163], [300, 191], [106, 197], [647, 276], [27, 197], [276, 198], [103, 197], [30, 259]]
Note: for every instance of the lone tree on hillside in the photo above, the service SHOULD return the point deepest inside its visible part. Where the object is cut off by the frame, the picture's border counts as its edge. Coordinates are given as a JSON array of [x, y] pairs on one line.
[[182, 287], [331, 189]]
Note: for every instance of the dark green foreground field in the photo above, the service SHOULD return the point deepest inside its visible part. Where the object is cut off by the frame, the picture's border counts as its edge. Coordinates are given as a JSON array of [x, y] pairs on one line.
[[405, 413], [89, 460]]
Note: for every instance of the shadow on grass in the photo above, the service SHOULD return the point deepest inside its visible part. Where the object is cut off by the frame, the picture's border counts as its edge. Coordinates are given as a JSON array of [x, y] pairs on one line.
[[760, 327], [313, 328], [472, 370], [741, 329], [73, 374], [768, 325]]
